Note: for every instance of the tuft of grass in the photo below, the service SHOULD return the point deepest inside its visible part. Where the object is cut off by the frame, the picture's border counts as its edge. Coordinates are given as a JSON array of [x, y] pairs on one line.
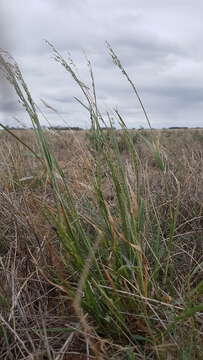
[[104, 231]]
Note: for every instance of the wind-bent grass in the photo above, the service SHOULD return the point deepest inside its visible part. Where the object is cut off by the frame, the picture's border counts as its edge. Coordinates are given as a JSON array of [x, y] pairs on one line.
[[120, 257]]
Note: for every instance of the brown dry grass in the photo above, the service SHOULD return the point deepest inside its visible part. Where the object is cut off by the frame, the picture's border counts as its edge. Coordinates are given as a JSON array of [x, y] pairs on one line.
[[40, 321]]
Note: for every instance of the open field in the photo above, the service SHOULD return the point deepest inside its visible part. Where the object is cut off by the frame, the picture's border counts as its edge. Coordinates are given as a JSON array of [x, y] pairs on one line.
[[142, 293], [100, 237]]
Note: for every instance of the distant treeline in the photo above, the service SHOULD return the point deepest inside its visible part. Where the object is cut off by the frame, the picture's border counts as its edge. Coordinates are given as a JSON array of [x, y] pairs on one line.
[[178, 127], [77, 128]]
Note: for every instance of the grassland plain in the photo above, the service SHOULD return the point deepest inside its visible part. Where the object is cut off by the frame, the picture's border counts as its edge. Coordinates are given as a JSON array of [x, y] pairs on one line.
[[100, 238]]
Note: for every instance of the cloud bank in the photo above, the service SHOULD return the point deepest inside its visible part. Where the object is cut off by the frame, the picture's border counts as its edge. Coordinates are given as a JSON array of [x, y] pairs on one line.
[[158, 43]]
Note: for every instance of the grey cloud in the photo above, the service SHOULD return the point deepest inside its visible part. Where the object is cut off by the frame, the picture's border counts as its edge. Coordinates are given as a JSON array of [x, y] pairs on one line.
[[183, 95], [61, 99], [9, 106], [157, 42]]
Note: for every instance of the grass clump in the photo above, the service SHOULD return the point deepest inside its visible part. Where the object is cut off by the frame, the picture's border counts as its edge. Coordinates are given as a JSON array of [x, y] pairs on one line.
[[103, 257]]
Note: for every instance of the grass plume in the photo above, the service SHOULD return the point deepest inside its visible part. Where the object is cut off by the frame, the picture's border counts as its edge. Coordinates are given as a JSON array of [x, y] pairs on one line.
[[100, 236]]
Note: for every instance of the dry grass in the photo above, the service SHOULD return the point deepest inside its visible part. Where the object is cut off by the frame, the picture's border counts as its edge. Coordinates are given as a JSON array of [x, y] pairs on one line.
[[101, 237], [37, 316]]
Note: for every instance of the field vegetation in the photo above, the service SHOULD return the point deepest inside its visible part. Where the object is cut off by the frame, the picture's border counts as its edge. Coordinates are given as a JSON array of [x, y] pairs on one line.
[[100, 237]]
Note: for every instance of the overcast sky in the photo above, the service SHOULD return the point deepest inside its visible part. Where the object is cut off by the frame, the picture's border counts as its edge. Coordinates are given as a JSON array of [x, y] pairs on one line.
[[158, 42]]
